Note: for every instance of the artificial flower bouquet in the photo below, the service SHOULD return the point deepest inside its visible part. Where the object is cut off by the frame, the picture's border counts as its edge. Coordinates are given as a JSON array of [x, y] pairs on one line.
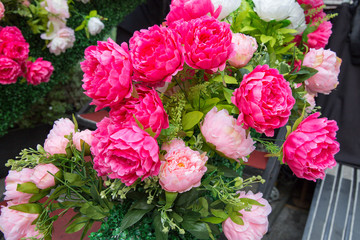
[[189, 101]]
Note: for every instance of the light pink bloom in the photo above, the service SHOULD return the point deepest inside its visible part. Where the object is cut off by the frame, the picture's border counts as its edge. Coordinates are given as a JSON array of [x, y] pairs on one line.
[[42, 178], [2, 10], [63, 40], [9, 70], [59, 8], [173, 144], [264, 99], [156, 54], [85, 135], [190, 9], [124, 152], [39, 71], [26, 3], [182, 169], [310, 98], [55, 142], [12, 180], [310, 149], [328, 66], [16, 50], [220, 129], [207, 43], [320, 37], [107, 73], [244, 48], [11, 34], [255, 221], [147, 108], [17, 225]]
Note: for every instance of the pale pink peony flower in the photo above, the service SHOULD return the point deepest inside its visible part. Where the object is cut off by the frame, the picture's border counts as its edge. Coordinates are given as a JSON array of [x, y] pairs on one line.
[[310, 149], [220, 129], [55, 142], [85, 135], [11, 34], [12, 180], [95, 26], [264, 99], [17, 225], [173, 144], [156, 54], [2, 10], [207, 43], [107, 73], [182, 169], [190, 9], [9, 70], [124, 152], [255, 221], [147, 108], [244, 48], [328, 66], [39, 71], [63, 40], [310, 98], [16, 50], [42, 178], [320, 37], [25, 3], [59, 8]]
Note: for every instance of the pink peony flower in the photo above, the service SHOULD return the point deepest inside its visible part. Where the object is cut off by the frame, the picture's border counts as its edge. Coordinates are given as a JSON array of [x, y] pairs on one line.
[[55, 142], [59, 8], [11, 34], [312, 5], [147, 108], [264, 99], [42, 178], [17, 225], [124, 152], [156, 54], [39, 71], [310, 149], [328, 66], [182, 169], [320, 37], [220, 129], [9, 70], [310, 98], [12, 180], [85, 135], [107, 73], [190, 9], [207, 43], [255, 221], [16, 50], [244, 48], [2, 10]]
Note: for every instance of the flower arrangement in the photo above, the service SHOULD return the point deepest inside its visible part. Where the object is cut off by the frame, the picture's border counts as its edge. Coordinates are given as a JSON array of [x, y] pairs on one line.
[[188, 100]]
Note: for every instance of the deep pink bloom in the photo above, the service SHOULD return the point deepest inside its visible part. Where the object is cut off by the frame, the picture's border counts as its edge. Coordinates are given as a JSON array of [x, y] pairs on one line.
[[190, 9], [220, 129], [255, 221], [12, 180], [9, 70], [11, 34], [147, 108], [124, 152], [156, 54], [314, 4], [39, 71], [107, 73], [207, 43], [328, 66], [55, 142], [244, 48], [264, 99], [42, 178], [310, 149], [320, 37], [182, 169], [16, 50], [85, 135]]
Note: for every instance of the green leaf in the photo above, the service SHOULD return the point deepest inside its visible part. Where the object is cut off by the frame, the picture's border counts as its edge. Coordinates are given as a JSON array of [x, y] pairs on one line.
[[286, 31], [87, 228], [196, 228], [177, 217], [187, 198], [58, 191], [219, 213], [160, 235], [288, 131], [142, 204], [304, 74], [28, 187], [191, 119], [227, 79], [235, 218], [93, 212], [299, 120], [150, 132], [228, 172], [93, 13], [214, 220], [228, 94], [28, 208], [209, 104], [170, 198], [77, 225], [284, 68], [251, 201], [40, 195], [265, 38], [132, 217], [71, 178], [81, 26], [138, 122], [247, 29]]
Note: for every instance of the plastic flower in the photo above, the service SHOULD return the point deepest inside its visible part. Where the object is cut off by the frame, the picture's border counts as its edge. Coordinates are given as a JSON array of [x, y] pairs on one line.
[[12, 180], [264, 99], [107, 73], [297, 19], [59, 8], [63, 40], [182, 169], [2, 10], [227, 7], [255, 221], [42, 178], [39, 71], [310, 149], [320, 37], [156, 54], [11, 34], [328, 66], [273, 9], [85, 135], [244, 48], [95, 26], [124, 152], [16, 50], [220, 129], [9, 70], [56, 141]]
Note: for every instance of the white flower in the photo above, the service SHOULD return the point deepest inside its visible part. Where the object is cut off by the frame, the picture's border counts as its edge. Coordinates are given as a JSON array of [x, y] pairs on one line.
[[297, 19], [57, 7], [273, 9], [95, 26], [63, 40], [228, 6]]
